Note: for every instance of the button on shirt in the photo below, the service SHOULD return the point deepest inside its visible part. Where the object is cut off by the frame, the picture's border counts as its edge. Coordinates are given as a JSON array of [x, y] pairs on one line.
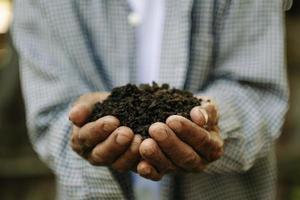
[[147, 17]]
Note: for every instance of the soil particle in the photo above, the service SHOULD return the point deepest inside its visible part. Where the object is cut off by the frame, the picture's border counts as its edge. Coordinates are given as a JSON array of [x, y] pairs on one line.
[[137, 107]]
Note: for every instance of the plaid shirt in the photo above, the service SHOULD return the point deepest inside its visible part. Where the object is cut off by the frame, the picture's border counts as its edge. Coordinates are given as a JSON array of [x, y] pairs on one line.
[[230, 50]]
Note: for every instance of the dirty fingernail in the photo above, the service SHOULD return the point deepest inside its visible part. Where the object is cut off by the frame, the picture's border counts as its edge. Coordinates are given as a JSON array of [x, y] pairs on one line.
[[204, 114], [175, 124], [106, 127], [122, 139], [160, 134]]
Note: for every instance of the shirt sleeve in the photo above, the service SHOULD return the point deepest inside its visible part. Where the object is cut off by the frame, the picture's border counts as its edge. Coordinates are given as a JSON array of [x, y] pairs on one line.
[[249, 82], [50, 83]]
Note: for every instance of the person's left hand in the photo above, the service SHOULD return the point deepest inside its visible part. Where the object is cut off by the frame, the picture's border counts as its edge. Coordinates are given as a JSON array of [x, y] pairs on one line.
[[181, 144]]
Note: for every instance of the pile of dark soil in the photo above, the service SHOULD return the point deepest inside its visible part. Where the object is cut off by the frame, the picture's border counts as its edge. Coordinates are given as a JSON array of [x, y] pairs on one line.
[[139, 107]]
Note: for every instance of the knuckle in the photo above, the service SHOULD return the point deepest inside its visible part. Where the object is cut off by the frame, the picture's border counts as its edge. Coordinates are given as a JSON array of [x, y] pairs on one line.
[[100, 158], [148, 148], [190, 160]]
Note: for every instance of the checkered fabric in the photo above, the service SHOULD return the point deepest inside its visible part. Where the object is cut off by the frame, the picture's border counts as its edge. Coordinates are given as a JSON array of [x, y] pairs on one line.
[[231, 50]]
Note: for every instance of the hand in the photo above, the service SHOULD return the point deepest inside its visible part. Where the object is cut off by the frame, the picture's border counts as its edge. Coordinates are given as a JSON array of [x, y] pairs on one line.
[[102, 142], [182, 144]]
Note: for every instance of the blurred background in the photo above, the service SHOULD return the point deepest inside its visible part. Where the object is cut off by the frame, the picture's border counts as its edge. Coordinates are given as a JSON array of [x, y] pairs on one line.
[[23, 176]]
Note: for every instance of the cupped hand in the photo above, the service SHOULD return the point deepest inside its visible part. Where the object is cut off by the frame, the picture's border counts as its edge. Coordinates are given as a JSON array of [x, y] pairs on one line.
[[181, 144], [102, 142]]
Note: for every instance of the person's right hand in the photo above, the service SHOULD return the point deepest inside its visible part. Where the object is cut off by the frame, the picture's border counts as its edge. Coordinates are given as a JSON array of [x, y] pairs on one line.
[[103, 142]]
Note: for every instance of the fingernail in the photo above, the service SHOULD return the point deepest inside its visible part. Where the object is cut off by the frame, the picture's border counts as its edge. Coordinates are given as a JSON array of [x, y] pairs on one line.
[[160, 134], [106, 127], [176, 125], [122, 139], [204, 113]]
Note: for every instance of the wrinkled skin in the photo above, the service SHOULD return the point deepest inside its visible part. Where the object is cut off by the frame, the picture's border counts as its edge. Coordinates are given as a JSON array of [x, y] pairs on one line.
[[178, 144]]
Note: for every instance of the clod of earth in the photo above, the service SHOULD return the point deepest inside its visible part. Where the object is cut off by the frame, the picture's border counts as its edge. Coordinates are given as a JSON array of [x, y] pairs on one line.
[[137, 107]]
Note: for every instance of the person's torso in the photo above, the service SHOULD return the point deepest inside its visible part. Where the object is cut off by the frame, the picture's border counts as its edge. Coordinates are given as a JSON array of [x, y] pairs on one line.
[[100, 41]]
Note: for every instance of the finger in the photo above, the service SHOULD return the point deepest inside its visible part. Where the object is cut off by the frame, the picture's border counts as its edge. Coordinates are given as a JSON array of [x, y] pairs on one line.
[[94, 132], [83, 107], [116, 144], [75, 145], [147, 171], [205, 116], [189, 132], [151, 152], [212, 111], [199, 116], [130, 158], [217, 146], [208, 144], [176, 150]]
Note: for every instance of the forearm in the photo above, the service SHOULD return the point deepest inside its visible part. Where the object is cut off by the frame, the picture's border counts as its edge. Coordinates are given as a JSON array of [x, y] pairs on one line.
[[50, 132], [50, 83], [248, 81]]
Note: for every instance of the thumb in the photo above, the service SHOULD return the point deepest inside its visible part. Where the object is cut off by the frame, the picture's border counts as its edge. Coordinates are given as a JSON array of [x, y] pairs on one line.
[[83, 107], [199, 116]]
